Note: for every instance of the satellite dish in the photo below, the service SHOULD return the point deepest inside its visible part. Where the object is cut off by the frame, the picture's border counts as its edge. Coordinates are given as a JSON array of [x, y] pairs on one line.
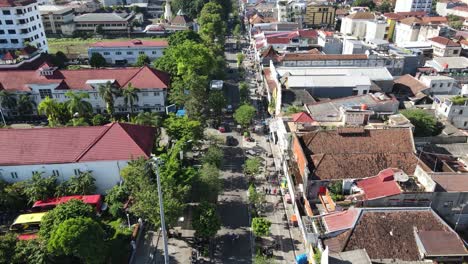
[[401, 176]]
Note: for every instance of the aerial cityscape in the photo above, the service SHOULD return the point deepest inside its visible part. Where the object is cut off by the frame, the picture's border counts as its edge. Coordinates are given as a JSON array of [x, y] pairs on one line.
[[233, 131]]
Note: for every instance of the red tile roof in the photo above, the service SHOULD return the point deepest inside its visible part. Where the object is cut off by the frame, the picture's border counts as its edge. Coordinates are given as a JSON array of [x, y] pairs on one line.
[[116, 141], [302, 117], [434, 20], [88, 199], [382, 185], [130, 43], [341, 220], [142, 78], [445, 41]]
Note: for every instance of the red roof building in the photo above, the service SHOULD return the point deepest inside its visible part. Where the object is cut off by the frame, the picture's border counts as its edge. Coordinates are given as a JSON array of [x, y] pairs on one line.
[[382, 185], [115, 141], [302, 117], [68, 151]]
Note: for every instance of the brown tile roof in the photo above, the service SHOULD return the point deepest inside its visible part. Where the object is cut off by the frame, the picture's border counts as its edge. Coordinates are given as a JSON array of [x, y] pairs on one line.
[[451, 182], [407, 84], [445, 41], [362, 15], [440, 243], [391, 234], [411, 20], [434, 20], [181, 20], [358, 153], [312, 57]]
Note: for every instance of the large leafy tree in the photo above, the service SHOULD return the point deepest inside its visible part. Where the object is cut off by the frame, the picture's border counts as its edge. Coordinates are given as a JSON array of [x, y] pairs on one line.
[[39, 187], [83, 183], [68, 210], [214, 155], [77, 103], [108, 92], [142, 60], [25, 105], [50, 108], [206, 221], [7, 245], [368, 3], [147, 119], [7, 100], [130, 96], [212, 25], [181, 36], [79, 237], [196, 101], [30, 252], [12, 197], [261, 226], [97, 60], [210, 184], [217, 102], [181, 128], [244, 115], [425, 124]]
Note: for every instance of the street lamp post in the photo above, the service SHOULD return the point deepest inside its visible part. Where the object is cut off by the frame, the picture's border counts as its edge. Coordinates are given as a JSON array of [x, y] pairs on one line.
[[128, 221], [156, 162]]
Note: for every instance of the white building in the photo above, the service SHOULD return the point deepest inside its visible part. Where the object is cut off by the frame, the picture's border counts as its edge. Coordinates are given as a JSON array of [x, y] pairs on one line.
[[444, 47], [439, 84], [376, 29], [407, 30], [67, 151], [127, 51], [413, 5], [20, 24], [356, 23], [54, 17], [54, 83], [453, 109]]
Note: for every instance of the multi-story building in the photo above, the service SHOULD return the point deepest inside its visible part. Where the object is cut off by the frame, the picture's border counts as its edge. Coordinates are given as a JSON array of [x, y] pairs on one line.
[[109, 22], [407, 30], [127, 52], [54, 16], [444, 47], [20, 24], [319, 14], [376, 30], [356, 23], [54, 83], [438, 84], [413, 5], [453, 109]]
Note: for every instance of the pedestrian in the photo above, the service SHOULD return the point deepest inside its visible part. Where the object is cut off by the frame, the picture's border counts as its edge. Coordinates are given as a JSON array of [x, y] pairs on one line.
[[274, 191]]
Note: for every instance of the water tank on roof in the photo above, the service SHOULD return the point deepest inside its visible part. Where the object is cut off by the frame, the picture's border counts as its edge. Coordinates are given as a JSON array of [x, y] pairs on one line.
[[400, 176]]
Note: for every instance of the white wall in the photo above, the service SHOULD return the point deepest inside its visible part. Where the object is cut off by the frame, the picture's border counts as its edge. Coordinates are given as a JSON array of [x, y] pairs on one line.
[[31, 27], [126, 53], [444, 85], [405, 33], [106, 173], [376, 30]]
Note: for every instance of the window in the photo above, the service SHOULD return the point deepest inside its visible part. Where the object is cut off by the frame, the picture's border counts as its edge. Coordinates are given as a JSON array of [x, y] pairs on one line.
[[144, 93], [44, 93], [129, 53], [441, 85], [2, 31], [14, 175], [11, 31], [106, 53], [14, 41], [55, 173], [34, 172], [6, 12], [154, 52], [3, 41], [460, 112], [156, 93], [465, 123], [455, 52], [9, 22], [19, 11], [77, 172], [118, 53], [141, 52]]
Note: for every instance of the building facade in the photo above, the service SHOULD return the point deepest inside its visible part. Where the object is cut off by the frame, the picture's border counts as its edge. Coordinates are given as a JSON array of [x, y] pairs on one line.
[[127, 52], [68, 151], [20, 24], [444, 47], [50, 82], [413, 5], [54, 17], [108, 22], [453, 109], [356, 23], [319, 14]]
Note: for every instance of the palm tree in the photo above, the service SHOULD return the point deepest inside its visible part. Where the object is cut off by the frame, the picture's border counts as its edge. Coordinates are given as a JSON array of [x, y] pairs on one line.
[[107, 93], [147, 119], [77, 104], [50, 108], [25, 105], [130, 95], [7, 100]]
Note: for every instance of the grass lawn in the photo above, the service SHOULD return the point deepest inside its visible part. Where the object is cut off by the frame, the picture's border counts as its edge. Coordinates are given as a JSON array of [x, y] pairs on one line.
[[78, 45]]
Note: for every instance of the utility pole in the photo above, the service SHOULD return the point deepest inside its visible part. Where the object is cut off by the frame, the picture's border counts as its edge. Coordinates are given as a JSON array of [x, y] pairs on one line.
[[156, 163]]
